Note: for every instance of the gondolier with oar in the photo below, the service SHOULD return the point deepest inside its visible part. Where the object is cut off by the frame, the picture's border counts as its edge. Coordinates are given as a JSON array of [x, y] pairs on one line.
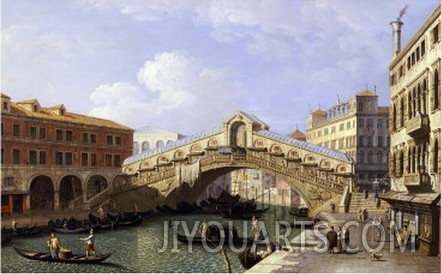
[[90, 241], [54, 245]]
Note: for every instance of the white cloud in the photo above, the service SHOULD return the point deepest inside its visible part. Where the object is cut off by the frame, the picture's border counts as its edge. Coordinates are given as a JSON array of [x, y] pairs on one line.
[[174, 85]]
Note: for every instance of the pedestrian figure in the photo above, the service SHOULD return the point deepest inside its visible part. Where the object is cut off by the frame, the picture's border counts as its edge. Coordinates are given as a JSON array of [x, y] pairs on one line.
[[332, 207], [54, 245], [339, 244], [345, 238], [366, 194], [331, 236], [255, 227], [365, 214], [375, 195], [204, 227], [90, 243]]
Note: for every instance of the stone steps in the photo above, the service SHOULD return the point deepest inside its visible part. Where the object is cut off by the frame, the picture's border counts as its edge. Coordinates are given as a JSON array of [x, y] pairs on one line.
[[358, 201]]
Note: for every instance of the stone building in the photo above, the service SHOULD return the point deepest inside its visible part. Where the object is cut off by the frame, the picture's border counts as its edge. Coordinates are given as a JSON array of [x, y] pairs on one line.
[[415, 130], [358, 128], [52, 159], [150, 137]]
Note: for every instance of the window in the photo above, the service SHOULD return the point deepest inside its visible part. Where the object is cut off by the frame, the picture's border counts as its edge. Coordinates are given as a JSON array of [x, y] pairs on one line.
[[43, 133], [42, 158], [5, 106], [93, 138], [360, 141], [370, 141], [342, 127], [360, 106], [380, 123], [380, 141], [84, 159], [325, 131], [16, 130], [33, 132], [69, 158], [69, 136], [85, 137], [3, 129], [370, 123], [435, 35], [423, 48], [3, 157], [109, 140], [360, 123], [58, 158], [117, 160], [348, 125], [333, 129], [16, 156], [117, 140], [32, 157], [93, 159], [59, 135], [108, 160]]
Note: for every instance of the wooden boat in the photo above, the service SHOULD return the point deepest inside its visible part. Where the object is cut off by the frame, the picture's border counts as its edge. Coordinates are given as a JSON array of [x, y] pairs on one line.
[[301, 211], [130, 219], [248, 259], [301, 217], [72, 258], [72, 227], [25, 231]]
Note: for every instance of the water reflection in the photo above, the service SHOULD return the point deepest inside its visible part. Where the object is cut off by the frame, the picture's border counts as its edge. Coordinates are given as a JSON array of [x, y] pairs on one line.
[[137, 249]]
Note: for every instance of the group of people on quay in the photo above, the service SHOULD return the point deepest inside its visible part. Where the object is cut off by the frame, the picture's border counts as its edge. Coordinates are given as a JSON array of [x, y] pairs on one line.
[[338, 239]]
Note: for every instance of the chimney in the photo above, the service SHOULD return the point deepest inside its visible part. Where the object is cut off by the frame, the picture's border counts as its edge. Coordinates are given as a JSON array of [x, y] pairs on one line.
[[396, 32]]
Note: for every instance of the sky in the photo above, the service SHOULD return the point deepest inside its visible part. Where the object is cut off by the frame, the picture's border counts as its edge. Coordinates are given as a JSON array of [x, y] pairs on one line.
[[188, 65]]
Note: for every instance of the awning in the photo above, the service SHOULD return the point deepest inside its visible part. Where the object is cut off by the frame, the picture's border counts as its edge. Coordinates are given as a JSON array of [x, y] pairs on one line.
[[411, 201]]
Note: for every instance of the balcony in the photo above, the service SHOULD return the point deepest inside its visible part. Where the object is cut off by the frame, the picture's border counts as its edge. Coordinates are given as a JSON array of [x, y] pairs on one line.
[[418, 127]]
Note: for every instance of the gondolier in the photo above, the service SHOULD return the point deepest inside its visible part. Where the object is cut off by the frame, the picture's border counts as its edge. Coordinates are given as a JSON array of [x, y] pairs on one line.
[[90, 243]]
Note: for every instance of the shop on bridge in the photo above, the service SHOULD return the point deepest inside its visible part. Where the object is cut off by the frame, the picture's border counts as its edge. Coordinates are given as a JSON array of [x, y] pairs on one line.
[[13, 202], [420, 213]]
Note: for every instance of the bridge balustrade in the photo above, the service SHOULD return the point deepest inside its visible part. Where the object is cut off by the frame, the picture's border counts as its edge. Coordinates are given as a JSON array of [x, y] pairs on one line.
[[152, 177]]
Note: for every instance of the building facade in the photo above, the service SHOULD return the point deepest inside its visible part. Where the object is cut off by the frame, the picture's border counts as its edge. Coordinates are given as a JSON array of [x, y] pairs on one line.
[[358, 128], [415, 130], [150, 137], [52, 159]]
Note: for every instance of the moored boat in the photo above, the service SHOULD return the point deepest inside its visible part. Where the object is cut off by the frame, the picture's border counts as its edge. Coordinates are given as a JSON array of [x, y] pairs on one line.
[[68, 258]]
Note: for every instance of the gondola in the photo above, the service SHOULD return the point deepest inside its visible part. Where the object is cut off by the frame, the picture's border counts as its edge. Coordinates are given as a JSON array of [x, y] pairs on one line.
[[73, 258], [130, 220], [74, 230]]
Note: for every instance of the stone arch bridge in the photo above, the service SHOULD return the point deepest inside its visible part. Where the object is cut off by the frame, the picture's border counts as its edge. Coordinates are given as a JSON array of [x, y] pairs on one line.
[[181, 170]]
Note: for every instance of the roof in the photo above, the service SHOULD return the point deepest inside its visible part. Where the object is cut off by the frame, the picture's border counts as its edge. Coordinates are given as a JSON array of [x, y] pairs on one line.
[[297, 134], [266, 133], [366, 93], [419, 198], [68, 117], [307, 146]]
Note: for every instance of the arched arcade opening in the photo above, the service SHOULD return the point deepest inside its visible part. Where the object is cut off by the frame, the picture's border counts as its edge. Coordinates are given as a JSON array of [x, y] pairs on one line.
[[42, 193]]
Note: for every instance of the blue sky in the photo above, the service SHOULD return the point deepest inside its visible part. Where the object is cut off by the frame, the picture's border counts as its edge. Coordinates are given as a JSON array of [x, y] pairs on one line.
[[187, 65]]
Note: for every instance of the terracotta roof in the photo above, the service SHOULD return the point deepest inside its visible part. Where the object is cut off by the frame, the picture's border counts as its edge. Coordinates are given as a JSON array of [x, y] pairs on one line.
[[297, 134], [366, 93], [68, 117]]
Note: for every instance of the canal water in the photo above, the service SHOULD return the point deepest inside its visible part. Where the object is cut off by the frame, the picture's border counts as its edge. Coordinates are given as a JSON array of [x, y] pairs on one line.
[[149, 247]]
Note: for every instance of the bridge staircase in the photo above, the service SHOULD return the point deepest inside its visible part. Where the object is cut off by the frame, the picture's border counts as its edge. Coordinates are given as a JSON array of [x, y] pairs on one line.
[[358, 201]]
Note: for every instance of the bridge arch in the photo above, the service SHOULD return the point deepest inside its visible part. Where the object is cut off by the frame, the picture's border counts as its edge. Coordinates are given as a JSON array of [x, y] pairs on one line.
[[243, 141]]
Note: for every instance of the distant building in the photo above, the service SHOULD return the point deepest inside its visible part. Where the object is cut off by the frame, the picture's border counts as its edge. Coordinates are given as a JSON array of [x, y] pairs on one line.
[[358, 128], [52, 159], [149, 137], [415, 130], [298, 135]]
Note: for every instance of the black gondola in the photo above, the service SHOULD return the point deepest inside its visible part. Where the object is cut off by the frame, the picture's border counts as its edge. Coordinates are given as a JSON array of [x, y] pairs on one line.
[[73, 258]]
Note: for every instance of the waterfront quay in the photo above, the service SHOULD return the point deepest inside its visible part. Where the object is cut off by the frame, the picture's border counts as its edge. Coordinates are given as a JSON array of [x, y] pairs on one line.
[[306, 260]]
